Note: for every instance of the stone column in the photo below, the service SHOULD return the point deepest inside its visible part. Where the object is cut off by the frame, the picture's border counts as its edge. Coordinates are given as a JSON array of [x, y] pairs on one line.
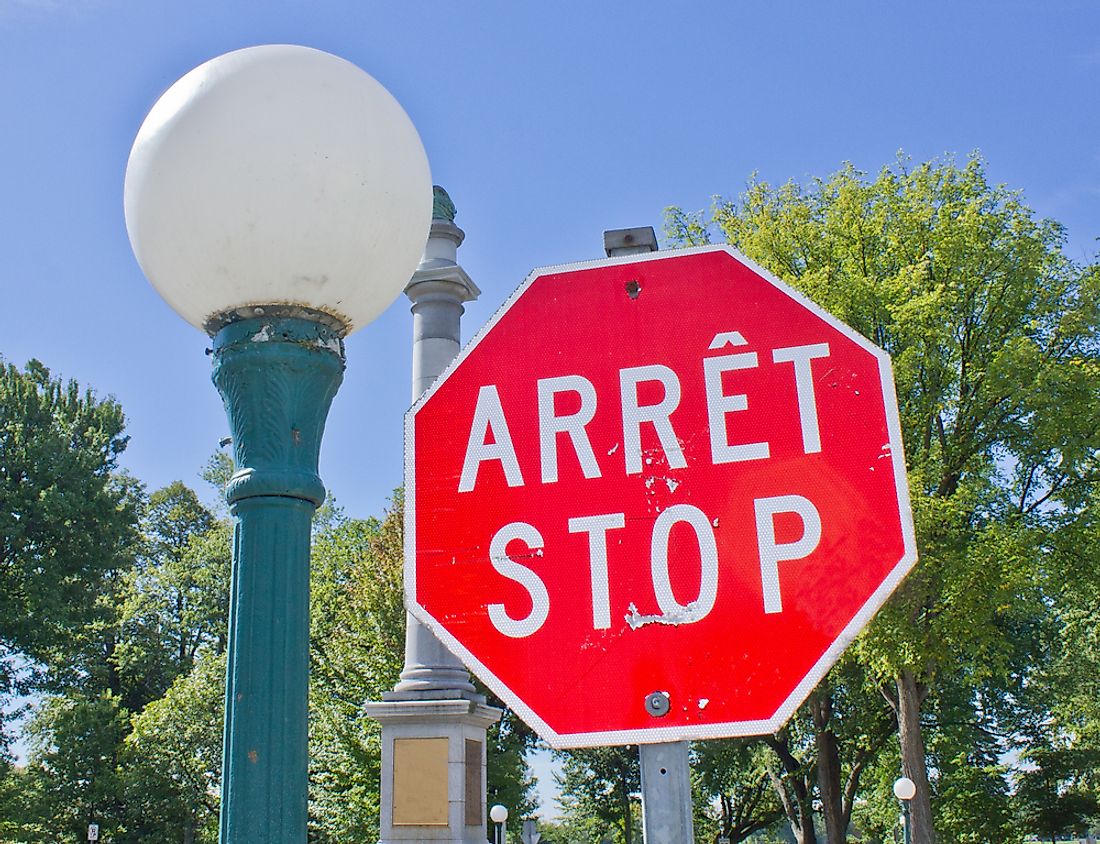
[[434, 722]]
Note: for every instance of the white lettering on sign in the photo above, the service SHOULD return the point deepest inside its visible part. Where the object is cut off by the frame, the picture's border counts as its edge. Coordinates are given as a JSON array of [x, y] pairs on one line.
[[719, 404], [655, 414], [672, 612], [573, 425], [772, 553], [728, 338], [597, 527], [489, 416], [708, 564], [491, 440], [518, 628], [801, 356]]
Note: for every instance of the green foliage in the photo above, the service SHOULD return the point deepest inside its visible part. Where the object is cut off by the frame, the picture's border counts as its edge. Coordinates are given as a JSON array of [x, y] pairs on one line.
[[22, 807], [573, 830], [76, 743], [177, 597], [357, 647], [135, 730], [135, 709], [66, 523], [731, 790], [217, 472], [995, 340], [1054, 797], [171, 758], [509, 779], [356, 653], [972, 783], [600, 787]]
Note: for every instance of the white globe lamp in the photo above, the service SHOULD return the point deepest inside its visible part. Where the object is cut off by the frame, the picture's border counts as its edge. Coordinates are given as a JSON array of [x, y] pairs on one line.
[[905, 788], [280, 176]]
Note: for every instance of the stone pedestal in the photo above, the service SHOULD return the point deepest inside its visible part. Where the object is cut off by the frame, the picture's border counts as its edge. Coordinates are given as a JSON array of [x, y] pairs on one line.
[[433, 768]]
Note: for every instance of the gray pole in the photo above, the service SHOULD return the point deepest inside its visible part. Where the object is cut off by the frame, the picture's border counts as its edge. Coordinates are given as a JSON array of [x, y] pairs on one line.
[[666, 793], [666, 780], [433, 723]]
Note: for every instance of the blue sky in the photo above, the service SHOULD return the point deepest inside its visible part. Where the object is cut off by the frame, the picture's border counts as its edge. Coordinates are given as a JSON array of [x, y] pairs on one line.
[[547, 123]]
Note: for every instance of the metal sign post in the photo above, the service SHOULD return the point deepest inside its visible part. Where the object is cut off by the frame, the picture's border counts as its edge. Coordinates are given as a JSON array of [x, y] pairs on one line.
[[665, 766], [530, 834], [666, 793]]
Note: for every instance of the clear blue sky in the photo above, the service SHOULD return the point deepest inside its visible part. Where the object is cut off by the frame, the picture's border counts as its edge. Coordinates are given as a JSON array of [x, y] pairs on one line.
[[547, 122]]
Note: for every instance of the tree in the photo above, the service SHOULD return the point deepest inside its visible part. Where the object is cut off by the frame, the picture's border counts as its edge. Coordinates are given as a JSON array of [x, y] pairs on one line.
[[66, 522], [966, 748], [993, 333], [171, 761], [177, 596], [356, 651], [732, 790], [357, 648], [75, 756], [601, 783], [136, 687], [1063, 697], [1051, 796], [845, 726], [509, 779]]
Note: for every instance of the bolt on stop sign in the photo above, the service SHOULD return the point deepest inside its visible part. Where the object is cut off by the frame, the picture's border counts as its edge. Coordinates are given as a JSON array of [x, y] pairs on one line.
[[655, 498]]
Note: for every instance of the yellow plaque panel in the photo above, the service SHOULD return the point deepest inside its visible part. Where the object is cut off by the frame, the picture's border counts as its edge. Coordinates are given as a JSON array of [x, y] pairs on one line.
[[420, 782]]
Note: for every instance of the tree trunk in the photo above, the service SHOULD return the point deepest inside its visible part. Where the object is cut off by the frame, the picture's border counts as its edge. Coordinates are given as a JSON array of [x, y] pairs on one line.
[[910, 696], [628, 824], [806, 832], [793, 788], [828, 769]]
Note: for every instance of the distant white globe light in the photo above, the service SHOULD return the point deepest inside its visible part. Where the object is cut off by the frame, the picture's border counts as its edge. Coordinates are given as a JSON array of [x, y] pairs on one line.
[[278, 176], [498, 814], [905, 788]]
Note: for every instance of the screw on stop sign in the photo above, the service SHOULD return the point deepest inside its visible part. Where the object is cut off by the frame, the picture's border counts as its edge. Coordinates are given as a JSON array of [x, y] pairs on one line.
[[700, 491], [657, 704]]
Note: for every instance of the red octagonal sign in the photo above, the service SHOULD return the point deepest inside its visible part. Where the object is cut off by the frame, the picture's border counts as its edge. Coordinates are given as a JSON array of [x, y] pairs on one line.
[[655, 498]]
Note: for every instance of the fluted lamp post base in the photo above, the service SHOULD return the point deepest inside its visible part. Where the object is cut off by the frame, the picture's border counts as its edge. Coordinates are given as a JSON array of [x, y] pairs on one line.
[[277, 377]]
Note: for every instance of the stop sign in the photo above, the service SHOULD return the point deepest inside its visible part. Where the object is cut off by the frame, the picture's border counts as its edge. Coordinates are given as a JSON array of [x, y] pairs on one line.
[[654, 499]]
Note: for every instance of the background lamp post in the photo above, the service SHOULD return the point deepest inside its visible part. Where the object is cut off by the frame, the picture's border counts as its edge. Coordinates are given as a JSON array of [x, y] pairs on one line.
[[905, 790], [498, 815], [278, 198]]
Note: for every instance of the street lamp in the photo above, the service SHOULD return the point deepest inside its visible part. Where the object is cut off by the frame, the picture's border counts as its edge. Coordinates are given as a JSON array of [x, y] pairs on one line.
[[499, 814], [905, 790], [278, 198]]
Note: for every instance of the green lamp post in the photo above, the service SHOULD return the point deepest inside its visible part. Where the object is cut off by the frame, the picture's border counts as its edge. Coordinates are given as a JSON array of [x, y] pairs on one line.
[[278, 198], [905, 790]]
